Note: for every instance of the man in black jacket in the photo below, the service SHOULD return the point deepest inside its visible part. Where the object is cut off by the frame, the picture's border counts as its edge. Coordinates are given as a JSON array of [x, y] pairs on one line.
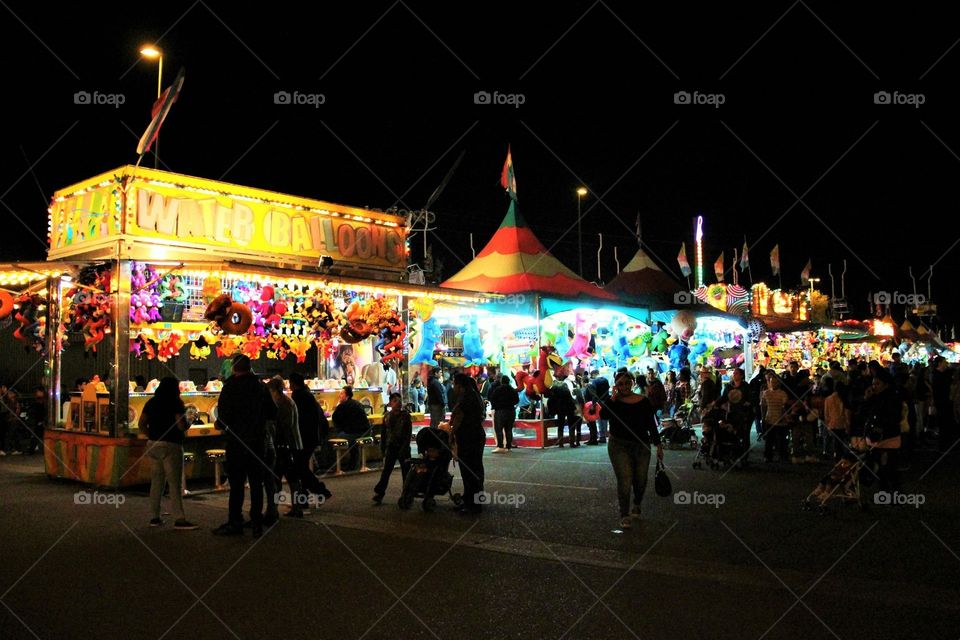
[[351, 422], [244, 408], [436, 399], [562, 405], [314, 430], [504, 400], [943, 405]]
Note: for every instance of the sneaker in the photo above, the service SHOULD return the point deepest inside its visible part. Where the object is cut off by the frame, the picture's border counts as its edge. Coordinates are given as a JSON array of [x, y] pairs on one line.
[[625, 522], [228, 529], [635, 512], [602, 441], [16, 453], [184, 525], [377, 498], [156, 522], [812, 459], [2, 453], [498, 450]]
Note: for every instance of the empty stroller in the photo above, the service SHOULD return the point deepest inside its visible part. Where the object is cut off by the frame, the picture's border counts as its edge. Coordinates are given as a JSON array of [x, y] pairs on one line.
[[719, 444], [429, 474]]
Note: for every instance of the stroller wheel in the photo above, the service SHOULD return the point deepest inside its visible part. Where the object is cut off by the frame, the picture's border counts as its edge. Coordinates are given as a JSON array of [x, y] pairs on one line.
[[457, 499], [429, 503]]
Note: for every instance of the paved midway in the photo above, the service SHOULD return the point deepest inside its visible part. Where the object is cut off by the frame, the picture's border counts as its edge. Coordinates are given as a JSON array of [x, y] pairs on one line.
[[549, 561]]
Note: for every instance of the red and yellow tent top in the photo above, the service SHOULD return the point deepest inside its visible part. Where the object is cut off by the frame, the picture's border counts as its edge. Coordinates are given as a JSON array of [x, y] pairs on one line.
[[515, 261]]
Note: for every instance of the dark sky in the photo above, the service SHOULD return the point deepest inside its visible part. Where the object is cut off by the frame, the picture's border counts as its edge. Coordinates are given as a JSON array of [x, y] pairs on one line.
[[877, 182]]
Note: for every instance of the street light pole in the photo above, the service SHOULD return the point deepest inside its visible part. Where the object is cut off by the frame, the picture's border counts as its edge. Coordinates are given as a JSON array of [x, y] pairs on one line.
[[153, 52], [580, 193]]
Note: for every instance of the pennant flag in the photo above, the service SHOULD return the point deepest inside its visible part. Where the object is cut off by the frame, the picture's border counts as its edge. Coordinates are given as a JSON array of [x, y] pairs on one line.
[[775, 260], [159, 113], [745, 258], [682, 260], [805, 274], [718, 267], [507, 178]]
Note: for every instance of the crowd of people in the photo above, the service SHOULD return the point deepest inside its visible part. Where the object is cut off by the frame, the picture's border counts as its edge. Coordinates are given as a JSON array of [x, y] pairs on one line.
[[800, 415]]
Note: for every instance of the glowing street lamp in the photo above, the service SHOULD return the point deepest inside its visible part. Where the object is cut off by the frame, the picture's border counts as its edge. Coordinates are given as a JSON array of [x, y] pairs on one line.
[[151, 52], [582, 191]]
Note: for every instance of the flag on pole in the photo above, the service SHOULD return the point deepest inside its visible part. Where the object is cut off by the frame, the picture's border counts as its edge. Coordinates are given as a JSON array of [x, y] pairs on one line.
[[718, 267], [159, 113], [682, 260], [775, 260], [805, 274], [507, 178], [745, 258]]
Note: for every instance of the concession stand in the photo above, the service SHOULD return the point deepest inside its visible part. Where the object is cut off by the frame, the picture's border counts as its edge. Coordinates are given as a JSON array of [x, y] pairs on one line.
[[156, 274]]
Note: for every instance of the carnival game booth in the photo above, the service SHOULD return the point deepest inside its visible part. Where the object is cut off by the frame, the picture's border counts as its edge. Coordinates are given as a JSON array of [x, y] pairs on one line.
[[180, 274], [545, 315]]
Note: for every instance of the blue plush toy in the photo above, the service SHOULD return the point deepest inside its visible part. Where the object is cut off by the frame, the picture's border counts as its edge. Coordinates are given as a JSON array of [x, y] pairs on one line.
[[697, 350], [678, 355], [430, 334], [472, 347]]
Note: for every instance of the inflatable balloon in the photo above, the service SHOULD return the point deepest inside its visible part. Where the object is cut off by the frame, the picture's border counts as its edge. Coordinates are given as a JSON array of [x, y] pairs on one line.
[[683, 325], [430, 334], [579, 348], [472, 348]]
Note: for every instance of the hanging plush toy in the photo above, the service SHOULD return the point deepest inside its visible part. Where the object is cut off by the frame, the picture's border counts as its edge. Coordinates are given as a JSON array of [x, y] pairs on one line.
[[620, 345], [423, 308], [659, 342], [6, 305], [472, 348], [697, 349], [198, 351], [251, 347], [228, 346], [683, 325], [561, 340], [169, 347], [579, 348], [299, 347], [212, 287], [430, 334], [678, 353]]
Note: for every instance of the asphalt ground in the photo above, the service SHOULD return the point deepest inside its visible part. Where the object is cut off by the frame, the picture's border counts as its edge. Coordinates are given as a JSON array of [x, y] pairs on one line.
[[738, 559]]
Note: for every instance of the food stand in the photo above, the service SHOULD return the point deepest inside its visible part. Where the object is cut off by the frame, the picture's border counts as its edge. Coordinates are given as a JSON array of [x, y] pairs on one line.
[[159, 255]]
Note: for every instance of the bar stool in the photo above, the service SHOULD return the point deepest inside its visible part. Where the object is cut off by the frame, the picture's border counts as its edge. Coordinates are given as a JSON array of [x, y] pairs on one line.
[[340, 446], [363, 443], [217, 457], [188, 458]]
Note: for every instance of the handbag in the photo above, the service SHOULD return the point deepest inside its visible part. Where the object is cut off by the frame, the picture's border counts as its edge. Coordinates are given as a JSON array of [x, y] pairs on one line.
[[661, 481]]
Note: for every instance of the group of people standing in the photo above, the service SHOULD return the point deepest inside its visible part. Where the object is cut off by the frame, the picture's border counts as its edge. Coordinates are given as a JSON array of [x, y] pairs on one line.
[[21, 420]]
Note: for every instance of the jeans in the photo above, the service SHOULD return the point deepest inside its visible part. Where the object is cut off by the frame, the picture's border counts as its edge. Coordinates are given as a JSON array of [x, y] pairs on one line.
[[775, 437], [166, 460], [503, 420], [573, 422], [308, 481], [390, 457], [437, 415], [631, 464], [602, 428], [470, 456], [245, 464], [285, 467]]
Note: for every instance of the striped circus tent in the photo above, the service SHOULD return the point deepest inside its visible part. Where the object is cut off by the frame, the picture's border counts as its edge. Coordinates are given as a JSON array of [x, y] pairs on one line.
[[515, 261], [643, 281]]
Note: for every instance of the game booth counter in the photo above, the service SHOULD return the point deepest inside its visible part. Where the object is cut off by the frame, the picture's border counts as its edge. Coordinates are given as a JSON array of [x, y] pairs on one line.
[[175, 275]]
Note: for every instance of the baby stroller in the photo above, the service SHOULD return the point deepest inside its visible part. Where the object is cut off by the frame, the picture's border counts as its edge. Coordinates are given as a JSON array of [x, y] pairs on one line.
[[842, 483], [677, 431], [429, 475], [719, 444]]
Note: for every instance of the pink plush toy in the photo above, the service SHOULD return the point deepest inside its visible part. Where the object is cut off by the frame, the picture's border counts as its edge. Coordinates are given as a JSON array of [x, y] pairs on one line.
[[153, 308], [581, 339]]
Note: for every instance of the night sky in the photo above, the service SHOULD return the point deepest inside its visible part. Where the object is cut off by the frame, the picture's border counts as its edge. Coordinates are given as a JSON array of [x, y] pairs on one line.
[[876, 182]]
